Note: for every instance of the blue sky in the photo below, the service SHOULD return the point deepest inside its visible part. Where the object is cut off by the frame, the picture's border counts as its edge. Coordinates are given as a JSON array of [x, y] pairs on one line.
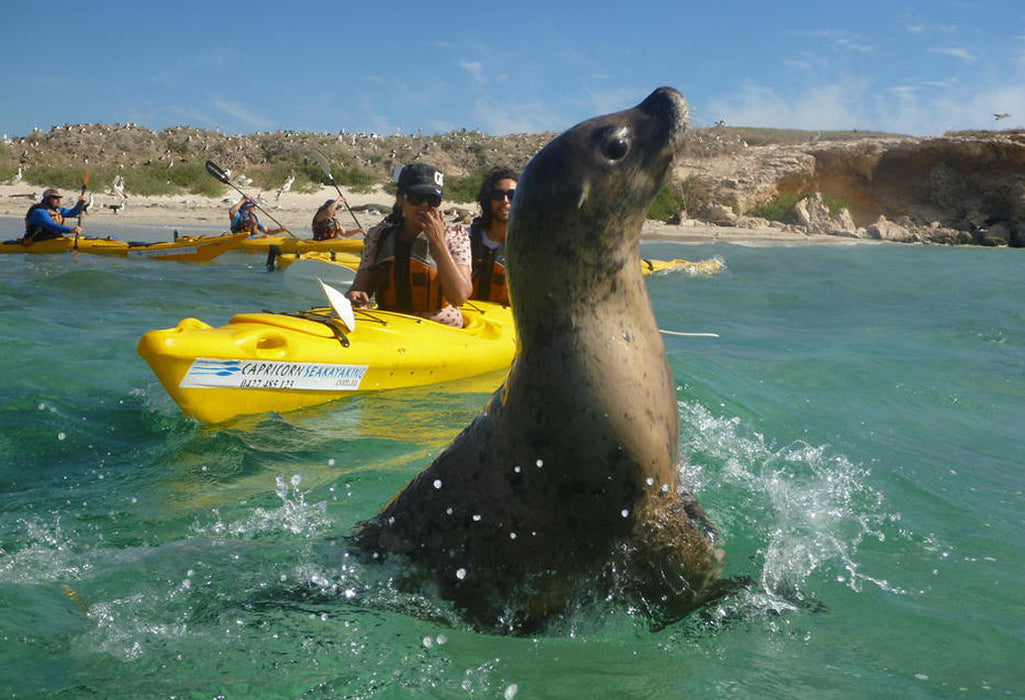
[[909, 66]]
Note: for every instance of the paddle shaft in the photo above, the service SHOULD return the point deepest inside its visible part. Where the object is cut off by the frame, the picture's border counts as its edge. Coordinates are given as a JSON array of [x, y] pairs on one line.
[[219, 174], [326, 167], [85, 183]]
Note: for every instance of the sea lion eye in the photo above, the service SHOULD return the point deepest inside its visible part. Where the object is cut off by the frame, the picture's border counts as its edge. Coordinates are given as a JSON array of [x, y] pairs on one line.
[[615, 144]]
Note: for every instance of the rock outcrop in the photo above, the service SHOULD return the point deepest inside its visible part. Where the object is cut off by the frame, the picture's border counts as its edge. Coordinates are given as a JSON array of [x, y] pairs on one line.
[[963, 187]]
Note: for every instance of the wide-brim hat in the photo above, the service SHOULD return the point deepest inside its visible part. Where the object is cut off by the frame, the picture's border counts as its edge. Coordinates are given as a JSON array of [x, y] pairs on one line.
[[51, 192]]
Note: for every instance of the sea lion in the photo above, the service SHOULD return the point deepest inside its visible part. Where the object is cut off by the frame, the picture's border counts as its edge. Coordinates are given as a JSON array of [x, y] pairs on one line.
[[567, 483]]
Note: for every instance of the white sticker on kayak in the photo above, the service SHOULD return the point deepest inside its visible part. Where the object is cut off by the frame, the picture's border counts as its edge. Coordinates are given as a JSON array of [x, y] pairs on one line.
[[162, 252], [205, 373]]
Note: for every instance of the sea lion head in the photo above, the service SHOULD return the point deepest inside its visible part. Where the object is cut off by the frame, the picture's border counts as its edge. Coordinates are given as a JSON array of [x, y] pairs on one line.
[[583, 198]]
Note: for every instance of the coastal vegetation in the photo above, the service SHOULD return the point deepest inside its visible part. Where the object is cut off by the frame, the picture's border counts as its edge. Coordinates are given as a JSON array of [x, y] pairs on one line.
[[962, 187]]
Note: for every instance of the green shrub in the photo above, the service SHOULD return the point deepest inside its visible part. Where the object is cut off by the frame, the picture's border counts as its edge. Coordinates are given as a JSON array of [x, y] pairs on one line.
[[668, 203], [780, 209], [356, 179], [463, 189]]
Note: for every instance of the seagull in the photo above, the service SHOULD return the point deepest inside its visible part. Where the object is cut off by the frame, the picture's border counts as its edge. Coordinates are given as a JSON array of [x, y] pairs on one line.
[[17, 177], [285, 187], [1002, 115], [118, 187]]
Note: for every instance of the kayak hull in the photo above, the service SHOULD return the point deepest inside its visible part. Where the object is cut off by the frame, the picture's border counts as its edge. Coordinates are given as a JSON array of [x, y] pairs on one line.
[[261, 362], [709, 266], [186, 248], [288, 244]]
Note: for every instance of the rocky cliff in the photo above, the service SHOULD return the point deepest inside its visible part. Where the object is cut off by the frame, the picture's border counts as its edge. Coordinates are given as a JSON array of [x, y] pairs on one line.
[[963, 187]]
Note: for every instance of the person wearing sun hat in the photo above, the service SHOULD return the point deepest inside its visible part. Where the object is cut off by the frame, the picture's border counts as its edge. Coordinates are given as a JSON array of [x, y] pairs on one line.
[[244, 219], [412, 261], [45, 219]]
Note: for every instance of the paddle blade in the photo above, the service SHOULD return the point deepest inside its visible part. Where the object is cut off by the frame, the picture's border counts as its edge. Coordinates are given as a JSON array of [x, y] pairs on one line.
[[324, 165], [302, 277], [340, 304], [214, 169]]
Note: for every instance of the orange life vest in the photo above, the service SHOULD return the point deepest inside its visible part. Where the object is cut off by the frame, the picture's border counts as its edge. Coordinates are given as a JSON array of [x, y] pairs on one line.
[[488, 270], [405, 274]]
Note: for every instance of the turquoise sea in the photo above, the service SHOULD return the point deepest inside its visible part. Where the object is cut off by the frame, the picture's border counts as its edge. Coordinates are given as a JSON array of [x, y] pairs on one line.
[[856, 432]]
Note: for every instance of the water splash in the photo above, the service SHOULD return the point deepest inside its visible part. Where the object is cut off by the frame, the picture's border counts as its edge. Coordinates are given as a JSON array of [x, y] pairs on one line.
[[795, 509], [294, 516]]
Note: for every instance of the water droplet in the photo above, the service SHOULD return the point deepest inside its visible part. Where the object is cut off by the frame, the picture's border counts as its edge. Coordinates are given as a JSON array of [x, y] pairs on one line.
[[625, 513], [517, 470], [441, 639], [476, 517], [331, 462], [650, 481], [437, 483], [296, 479], [61, 436], [512, 535], [428, 642], [448, 511], [511, 691], [42, 407], [540, 463], [460, 574]]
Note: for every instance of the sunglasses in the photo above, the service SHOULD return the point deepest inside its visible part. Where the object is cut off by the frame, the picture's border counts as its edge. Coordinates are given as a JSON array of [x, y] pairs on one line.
[[416, 200], [498, 195]]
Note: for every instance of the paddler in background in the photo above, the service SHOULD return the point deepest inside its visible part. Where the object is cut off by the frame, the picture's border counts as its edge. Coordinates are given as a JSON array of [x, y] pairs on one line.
[[487, 235], [412, 262], [326, 224], [244, 219], [45, 219]]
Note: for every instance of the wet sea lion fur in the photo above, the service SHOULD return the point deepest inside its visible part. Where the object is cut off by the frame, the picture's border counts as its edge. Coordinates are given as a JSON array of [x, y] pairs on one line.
[[568, 481]]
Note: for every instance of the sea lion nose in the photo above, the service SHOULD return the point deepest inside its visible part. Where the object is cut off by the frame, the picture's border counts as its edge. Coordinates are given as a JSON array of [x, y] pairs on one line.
[[666, 100], [669, 106]]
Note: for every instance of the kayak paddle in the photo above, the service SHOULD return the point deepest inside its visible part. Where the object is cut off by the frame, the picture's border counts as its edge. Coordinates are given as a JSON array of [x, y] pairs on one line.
[[85, 183], [302, 276], [214, 169], [326, 167], [341, 304]]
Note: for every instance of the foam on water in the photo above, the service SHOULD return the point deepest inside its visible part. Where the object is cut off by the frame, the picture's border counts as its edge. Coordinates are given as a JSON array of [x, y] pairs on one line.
[[793, 508]]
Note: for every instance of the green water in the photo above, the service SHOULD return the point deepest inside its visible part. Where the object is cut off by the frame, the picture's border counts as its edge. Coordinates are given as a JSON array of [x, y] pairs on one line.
[[855, 433]]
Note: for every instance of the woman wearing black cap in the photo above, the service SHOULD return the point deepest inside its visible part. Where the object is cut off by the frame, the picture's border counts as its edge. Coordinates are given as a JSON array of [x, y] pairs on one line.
[[412, 262]]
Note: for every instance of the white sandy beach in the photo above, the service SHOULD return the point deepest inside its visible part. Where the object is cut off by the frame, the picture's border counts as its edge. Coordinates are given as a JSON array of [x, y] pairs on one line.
[[295, 210]]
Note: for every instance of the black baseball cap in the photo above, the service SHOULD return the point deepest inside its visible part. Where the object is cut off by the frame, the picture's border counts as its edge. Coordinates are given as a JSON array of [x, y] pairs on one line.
[[421, 179]]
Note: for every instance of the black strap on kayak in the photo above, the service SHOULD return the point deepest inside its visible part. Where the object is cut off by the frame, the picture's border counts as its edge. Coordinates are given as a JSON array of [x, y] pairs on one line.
[[333, 323]]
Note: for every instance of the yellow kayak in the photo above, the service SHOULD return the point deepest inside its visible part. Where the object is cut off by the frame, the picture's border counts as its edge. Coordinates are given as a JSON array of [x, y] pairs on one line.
[[194, 248], [263, 362], [710, 266], [290, 245]]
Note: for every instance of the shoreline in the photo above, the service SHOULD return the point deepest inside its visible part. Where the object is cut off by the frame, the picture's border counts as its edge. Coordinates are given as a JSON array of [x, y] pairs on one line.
[[295, 210]]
